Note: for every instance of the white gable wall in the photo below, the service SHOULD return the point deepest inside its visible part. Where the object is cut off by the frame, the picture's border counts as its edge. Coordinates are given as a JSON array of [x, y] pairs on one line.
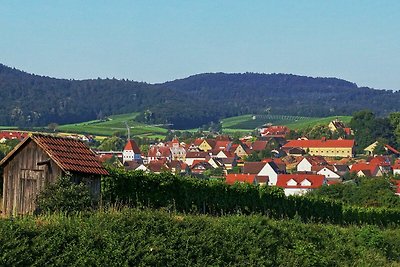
[[305, 182], [267, 170], [304, 166], [328, 173]]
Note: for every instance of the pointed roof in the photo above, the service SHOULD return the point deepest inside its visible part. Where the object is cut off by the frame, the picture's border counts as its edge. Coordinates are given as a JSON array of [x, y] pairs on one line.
[[131, 145], [71, 155], [315, 180], [253, 167]]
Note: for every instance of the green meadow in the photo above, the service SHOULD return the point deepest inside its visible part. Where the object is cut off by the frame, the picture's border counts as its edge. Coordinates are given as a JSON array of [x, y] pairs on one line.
[[249, 122], [115, 124]]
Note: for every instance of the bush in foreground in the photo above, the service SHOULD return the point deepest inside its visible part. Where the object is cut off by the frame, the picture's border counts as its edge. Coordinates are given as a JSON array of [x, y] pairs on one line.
[[64, 196], [153, 238]]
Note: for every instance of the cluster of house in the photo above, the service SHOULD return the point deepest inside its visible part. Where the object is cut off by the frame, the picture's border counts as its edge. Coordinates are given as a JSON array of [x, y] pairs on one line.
[[297, 166], [12, 135]]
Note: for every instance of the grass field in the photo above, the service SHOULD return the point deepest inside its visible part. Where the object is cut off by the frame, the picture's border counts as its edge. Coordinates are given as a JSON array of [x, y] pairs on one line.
[[8, 127], [249, 122], [116, 124], [301, 124]]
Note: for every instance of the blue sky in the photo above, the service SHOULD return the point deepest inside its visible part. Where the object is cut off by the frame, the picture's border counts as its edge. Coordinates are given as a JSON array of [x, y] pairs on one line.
[[156, 41]]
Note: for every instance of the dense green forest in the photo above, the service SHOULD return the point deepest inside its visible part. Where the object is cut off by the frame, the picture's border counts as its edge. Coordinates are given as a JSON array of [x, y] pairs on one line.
[[32, 100]]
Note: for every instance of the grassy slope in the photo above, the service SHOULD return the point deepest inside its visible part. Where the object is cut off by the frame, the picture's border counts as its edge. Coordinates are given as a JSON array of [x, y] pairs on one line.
[[153, 238], [115, 124], [8, 127], [247, 122], [316, 121]]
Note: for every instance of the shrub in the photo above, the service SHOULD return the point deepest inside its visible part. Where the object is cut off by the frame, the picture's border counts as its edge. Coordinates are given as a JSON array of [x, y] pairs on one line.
[[64, 196]]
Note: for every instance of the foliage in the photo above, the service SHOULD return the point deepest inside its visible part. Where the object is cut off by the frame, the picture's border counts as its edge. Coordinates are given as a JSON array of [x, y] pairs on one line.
[[112, 143], [152, 238], [31, 100], [364, 192], [183, 194], [217, 172], [368, 129], [115, 123], [64, 196]]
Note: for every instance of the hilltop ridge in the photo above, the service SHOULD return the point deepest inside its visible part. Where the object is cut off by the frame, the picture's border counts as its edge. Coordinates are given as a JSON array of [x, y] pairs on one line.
[[33, 100]]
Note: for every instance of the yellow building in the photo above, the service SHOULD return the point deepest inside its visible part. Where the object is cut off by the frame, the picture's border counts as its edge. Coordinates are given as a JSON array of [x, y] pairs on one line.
[[323, 147]]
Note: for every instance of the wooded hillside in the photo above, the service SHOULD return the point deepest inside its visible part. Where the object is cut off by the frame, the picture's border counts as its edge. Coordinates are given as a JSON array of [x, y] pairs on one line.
[[32, 100]]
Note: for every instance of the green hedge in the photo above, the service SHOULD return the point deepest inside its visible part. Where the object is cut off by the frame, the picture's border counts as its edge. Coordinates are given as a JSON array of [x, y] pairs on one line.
[[152, 238], [186, 195]]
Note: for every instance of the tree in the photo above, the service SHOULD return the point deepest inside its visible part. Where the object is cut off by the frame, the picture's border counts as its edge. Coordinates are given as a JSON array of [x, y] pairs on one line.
[[367, 129], [52, 126], [112, 143], [395, 122], [380, 147], [319, 131]]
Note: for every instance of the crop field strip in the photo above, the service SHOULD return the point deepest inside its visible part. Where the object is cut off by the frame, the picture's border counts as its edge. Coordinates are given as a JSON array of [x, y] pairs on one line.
[[115, 124], [249, 122]]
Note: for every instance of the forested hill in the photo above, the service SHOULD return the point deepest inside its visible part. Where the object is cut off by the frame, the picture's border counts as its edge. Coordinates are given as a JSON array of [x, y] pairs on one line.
[[31, 100]]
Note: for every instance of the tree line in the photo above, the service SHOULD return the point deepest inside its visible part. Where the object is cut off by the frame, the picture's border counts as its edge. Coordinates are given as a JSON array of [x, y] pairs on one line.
[[31, 100]]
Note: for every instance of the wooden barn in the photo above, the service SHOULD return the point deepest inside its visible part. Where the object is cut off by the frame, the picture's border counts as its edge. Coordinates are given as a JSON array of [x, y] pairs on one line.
[[41, 159]]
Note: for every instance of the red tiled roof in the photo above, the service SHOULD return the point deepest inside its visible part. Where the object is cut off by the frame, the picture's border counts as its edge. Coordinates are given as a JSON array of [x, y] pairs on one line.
[[196, 154], [259, 145], [12, 135], [347, 130], [275, 130], [315, 180], [198, 141], [316, 160], [157, 166], [247, 178], [104, 158], [320, 143], [380, 160], [371, 168], [131, 145], [197, 161], [223, 138], [162, 151], [331, 182], [221, 145], [253, 167]]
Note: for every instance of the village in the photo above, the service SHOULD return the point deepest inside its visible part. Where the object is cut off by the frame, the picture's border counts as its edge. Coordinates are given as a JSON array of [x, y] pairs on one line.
[[298, 166]]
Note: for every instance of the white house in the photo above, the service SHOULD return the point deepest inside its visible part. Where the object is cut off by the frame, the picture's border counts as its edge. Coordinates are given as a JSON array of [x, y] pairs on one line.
[[328, 173], [269, 169], [306, 164], [299, 184], [131, 152]]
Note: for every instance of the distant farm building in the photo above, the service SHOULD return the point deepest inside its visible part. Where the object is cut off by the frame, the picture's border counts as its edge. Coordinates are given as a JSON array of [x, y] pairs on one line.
[[39, 160]]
